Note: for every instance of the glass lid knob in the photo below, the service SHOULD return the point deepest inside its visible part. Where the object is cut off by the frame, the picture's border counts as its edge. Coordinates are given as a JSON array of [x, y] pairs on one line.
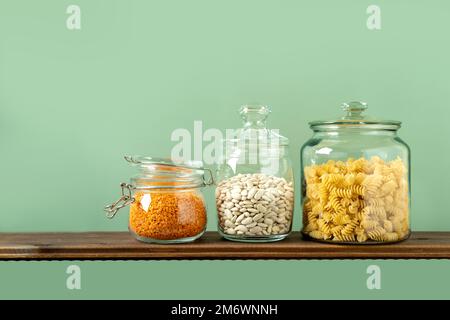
[[255, 115], [354, 109]]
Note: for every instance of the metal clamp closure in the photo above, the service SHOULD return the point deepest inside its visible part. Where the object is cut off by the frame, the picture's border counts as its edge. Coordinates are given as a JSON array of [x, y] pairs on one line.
[[125, 199], [210, 180]]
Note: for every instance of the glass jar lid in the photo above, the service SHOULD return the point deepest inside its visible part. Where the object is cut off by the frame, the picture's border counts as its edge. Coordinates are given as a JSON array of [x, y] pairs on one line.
[[355, 118], [160, 173], [254, 129]]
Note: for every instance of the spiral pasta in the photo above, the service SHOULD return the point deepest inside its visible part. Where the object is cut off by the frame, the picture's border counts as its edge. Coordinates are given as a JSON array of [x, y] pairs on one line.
[[357, 200]]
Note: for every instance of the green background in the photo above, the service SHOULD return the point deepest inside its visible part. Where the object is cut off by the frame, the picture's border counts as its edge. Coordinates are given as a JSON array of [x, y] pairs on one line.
[[72, 103], [280, 279]]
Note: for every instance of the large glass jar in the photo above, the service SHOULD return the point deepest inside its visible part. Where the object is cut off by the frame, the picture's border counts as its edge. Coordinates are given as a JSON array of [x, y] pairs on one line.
[[166, 202], [356, 180], [255, 191]]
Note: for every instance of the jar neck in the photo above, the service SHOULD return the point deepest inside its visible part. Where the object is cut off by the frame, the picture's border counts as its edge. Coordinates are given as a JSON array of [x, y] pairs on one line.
[[360, 132], [164, 182]]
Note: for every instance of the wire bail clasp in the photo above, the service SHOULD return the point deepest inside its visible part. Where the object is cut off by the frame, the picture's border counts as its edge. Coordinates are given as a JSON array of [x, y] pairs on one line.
[[123, 201], [207, 181]]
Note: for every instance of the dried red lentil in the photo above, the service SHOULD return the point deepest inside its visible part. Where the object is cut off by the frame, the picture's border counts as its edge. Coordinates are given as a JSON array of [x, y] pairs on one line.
[[170, 215]]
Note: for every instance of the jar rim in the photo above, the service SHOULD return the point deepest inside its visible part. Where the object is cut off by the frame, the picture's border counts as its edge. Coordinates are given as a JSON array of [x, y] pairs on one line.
[[391, 125], [163, 173]]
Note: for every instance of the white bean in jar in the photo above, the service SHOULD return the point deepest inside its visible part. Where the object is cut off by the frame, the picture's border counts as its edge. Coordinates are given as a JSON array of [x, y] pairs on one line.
[[255, 205]]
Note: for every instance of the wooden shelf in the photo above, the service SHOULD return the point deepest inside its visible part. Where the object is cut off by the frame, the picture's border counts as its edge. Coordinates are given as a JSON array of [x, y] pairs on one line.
[[121, 246]]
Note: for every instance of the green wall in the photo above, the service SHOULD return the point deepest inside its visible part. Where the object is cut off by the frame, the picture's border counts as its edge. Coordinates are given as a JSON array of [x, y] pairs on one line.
[[72, 103], [280, 279]]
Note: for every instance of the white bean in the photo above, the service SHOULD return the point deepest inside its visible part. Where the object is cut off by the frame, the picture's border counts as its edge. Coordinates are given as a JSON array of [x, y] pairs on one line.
[[230, 231], [241, 228], [240, 218], [257, 217], [251, 225], [255, 205], [259, 194]]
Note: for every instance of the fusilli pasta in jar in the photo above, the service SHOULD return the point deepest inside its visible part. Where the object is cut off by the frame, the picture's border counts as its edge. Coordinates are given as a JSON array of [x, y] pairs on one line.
[[356, 180]]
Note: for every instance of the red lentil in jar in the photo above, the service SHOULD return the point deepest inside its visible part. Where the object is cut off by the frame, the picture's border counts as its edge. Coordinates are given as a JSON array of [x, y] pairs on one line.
[[166, 203], [167, 215]]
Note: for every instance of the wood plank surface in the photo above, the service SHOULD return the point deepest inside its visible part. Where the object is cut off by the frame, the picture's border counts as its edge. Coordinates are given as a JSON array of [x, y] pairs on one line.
[[122, 246]]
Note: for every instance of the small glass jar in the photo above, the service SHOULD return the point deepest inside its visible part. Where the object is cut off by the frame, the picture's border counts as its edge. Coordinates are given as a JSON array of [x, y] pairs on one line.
[[166, 202], [356, 180], [255, 189]]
